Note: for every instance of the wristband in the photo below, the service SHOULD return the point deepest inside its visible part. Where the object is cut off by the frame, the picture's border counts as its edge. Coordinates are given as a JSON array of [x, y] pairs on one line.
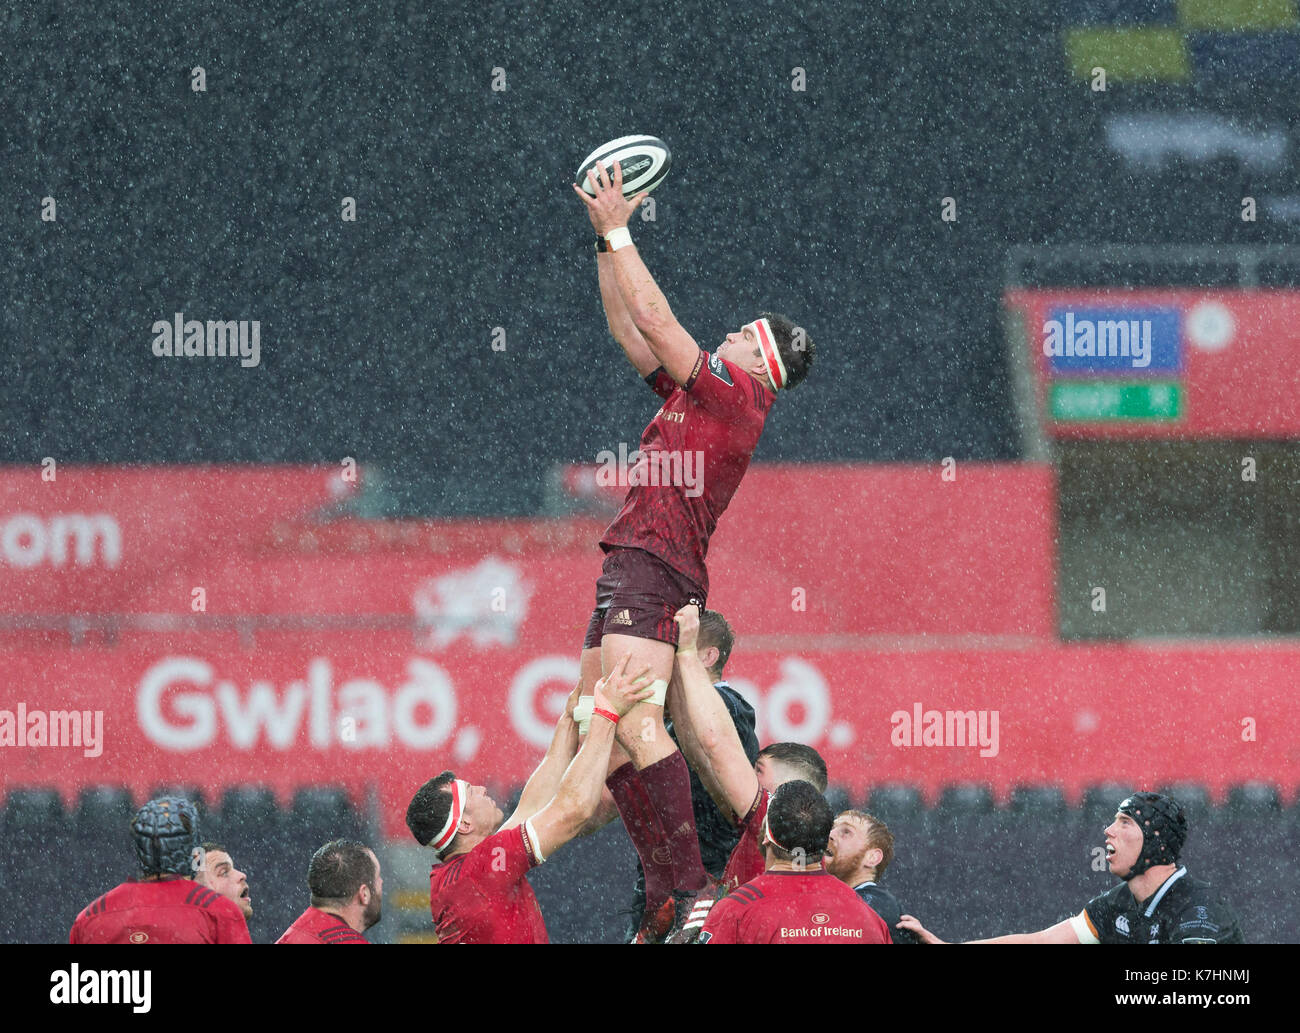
[[618, 238], [605, 713], [602, 245]]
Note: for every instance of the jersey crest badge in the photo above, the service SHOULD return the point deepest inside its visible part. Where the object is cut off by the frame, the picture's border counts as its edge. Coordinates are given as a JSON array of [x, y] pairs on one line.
[[1121, 925], [719, 370]]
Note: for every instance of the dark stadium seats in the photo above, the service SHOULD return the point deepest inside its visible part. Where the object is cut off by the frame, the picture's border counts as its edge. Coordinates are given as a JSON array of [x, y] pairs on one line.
[[839, 798], [28, 809], [1042, 801], [37, 839], [891, 803], [104, 807], [246, 808], [326, 811], [966, 799], [1255, 798]]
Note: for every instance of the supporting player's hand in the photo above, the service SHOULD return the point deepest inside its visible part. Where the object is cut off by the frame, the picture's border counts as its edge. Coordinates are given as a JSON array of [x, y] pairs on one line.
[[914, 925], [619, 691], [688, 626], [572, 701], [609, 209]]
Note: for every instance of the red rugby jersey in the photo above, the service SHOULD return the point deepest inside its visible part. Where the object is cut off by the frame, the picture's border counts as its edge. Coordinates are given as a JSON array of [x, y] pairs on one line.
[[483, 897], [168, 910], [793, 907], [700, 442], [747, 860], [317, 926]]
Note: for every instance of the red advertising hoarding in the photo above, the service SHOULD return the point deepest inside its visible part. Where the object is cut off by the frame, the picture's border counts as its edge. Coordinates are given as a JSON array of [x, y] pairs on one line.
[[809, 552]]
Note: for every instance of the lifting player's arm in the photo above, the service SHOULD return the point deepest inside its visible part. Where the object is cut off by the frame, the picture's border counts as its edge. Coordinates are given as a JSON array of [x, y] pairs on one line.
[[580, 789], [545, 779], [620, 323], [670, 345], [1063, 932], [704, 728]]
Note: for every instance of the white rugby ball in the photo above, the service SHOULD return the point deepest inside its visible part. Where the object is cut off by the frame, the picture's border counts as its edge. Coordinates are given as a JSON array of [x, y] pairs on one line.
[[644, 160]]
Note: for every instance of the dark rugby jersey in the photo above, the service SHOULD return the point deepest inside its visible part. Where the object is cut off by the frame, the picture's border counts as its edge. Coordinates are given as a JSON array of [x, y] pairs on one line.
[[886, 905], [317, 926], [793, 907], [702, 439], [1182, 910], [169, 910]]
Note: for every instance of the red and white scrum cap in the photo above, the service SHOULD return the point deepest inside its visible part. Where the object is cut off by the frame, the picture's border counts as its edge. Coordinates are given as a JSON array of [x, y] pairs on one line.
[[459, 794], [771, 356]]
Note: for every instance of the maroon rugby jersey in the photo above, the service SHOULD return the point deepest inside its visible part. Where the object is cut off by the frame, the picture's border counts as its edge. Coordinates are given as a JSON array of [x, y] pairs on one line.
[[705, 435], [794, 907], [747, 860], [483, 897], [317, 926], [168, 910]]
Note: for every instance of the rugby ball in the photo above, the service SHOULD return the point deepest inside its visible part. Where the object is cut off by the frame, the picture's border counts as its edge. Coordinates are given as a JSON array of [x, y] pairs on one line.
[[644, 160]]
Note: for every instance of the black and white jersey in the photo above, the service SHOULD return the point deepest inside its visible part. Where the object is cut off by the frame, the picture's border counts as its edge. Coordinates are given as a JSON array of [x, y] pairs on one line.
[[1182, 910]]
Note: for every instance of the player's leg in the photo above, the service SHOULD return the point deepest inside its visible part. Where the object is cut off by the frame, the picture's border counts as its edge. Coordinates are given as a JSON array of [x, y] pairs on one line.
[[660, 766], [637, 812], [641, 732]]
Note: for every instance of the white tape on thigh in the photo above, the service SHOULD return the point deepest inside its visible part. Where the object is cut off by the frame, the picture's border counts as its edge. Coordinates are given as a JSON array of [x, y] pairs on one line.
[[660, 692], [582, 713]]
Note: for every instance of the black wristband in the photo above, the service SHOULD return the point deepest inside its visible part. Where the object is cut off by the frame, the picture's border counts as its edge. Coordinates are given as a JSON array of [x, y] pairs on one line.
[[602, 245]]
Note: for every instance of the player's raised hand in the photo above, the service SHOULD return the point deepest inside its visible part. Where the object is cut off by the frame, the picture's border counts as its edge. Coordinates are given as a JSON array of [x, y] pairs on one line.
[[620, 692], [688, 627], [609, 209], [914, 925]]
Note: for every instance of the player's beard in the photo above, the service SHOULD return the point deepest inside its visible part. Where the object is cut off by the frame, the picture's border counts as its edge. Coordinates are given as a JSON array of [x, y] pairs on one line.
[[374, 911], [841, 864]]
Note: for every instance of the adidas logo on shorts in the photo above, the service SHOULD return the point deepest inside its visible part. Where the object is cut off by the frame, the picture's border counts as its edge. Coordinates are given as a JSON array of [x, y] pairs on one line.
[[622, 617]]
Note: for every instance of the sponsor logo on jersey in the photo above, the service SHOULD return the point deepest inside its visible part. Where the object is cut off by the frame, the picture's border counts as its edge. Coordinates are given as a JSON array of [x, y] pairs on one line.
[[821, 918], [719, 370], [622, 617], [139, 937], [1155, 933], [1121, 925]]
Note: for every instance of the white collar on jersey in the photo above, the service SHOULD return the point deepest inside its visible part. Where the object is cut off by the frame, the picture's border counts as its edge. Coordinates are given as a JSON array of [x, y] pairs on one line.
[[1162, 890]]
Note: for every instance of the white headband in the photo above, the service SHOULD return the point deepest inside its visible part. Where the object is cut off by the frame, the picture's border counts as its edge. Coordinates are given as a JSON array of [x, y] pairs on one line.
[[771, 355], [459, 794]]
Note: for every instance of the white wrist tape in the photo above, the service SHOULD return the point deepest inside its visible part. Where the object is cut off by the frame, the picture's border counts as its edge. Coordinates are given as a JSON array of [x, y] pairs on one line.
[[660, 688], [1081, 929], [582, 713], [618, 238]]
